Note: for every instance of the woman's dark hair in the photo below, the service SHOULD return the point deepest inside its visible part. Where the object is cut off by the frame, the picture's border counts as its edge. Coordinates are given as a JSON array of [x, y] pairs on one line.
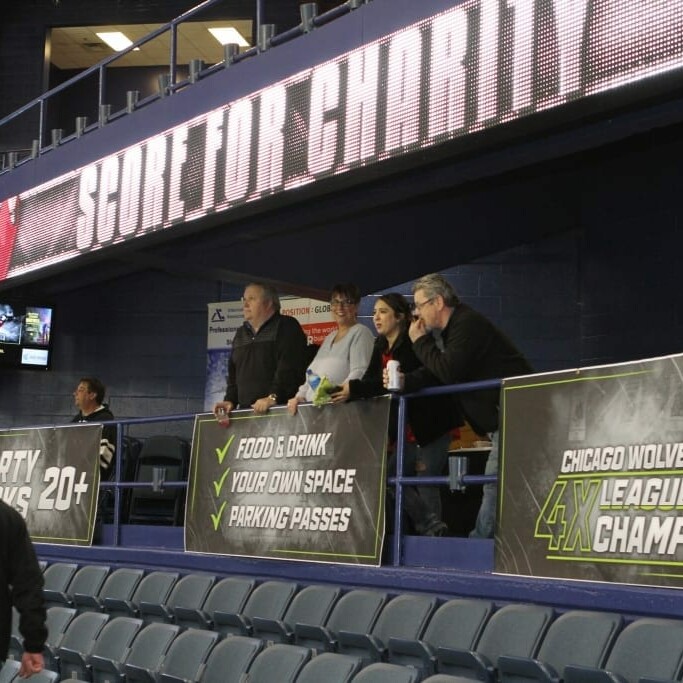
[[398, 304], [347, 290]]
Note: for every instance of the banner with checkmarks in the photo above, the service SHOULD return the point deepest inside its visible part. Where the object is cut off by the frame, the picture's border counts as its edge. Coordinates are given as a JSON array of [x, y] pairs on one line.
[[304, 487]]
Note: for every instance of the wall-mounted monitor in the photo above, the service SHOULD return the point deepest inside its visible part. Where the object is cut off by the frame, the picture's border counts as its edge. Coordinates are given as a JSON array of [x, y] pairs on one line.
[[25, 335]]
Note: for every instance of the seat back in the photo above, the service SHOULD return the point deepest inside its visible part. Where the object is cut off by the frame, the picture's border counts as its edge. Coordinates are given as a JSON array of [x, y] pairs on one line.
[[58, 575], [649, 648], [357, 611], [57, 621], [515, 630], [270, 599], [189, 592], [88, 580], [458, 623], [281, 663], [229, 595], [121, 584], [187, 654], [151, 644], [580, 638], [155, 588], [312, 605], [405, 616], [387, 673], [331, 668], [230, 659], [10, 671], [171, 454]]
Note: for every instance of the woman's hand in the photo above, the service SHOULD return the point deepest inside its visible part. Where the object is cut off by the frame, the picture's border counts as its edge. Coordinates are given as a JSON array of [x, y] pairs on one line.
[[292, 405], [343, 395]]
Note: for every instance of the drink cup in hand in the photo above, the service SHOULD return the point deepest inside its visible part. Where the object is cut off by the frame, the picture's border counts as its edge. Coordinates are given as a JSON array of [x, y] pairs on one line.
[[393, 367]]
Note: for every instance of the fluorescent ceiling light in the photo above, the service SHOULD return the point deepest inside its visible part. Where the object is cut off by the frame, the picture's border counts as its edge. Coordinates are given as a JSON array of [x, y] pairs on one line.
[[116, 40], [228, 34]]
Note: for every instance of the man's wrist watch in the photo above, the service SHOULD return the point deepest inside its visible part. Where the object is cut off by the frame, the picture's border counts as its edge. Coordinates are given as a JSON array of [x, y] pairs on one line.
[[273, 398]]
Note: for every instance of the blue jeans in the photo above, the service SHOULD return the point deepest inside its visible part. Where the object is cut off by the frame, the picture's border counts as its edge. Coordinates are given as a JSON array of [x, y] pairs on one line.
[[430, 461], [486, 518]]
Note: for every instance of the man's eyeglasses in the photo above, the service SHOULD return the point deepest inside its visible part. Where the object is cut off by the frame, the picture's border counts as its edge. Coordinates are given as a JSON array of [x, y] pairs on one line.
[[341, 302], [419, 306]]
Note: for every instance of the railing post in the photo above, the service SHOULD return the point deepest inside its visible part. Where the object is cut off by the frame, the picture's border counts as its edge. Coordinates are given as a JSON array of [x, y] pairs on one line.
[[398, 512]]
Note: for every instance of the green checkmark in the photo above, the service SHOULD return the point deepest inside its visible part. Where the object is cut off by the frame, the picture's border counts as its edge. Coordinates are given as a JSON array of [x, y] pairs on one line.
[[222, 452], [218, 485], [216, 519]]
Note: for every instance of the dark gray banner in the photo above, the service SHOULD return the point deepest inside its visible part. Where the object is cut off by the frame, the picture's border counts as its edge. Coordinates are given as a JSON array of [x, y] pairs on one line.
[[52, 477], [591, 479], [309, 487]]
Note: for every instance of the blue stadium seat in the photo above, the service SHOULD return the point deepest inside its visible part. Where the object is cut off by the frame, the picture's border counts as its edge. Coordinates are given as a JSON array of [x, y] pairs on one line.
[[330, 667], [229, 661], [190, 592], [119, 585], [57, 577], [86, 582], [382, 672], [153, 589], [80, 635], [281, 663]]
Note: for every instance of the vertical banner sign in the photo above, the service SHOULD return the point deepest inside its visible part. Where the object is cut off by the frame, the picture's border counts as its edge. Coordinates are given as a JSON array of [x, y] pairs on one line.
[[304, 487], [52, 477], [225, 317], [591, 479]]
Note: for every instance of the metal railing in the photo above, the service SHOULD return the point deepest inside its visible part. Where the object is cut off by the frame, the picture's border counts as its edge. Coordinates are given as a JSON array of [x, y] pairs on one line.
[[265, 37], [399, 481]]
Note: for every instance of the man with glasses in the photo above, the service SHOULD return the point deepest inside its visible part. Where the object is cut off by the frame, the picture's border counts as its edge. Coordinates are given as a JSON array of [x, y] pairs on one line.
[[456, 344], [269, 356]]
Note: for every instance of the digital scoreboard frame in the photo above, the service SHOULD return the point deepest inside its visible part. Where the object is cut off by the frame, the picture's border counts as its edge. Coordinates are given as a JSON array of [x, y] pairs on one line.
[[477, 66]]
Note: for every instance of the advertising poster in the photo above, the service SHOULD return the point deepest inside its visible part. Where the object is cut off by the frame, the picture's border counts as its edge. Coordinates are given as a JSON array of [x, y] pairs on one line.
[[52, 477], [591, 477], [225, 317], [304, 487]]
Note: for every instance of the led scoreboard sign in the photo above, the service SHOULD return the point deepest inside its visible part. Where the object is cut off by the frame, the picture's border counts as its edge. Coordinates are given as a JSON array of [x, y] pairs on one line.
[[478, 65]]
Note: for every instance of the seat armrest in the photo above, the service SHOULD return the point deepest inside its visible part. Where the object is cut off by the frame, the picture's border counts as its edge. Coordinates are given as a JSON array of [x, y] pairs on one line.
[[57, 596], [155, 609], [138, 673], [68, 654], [528, 668], [585, 674], [464, 663], [236, 623], [263, 628], [118, 605], [195, 616], [100, 663], [405, 652], [363, 644], [83, 600], [311, 636]]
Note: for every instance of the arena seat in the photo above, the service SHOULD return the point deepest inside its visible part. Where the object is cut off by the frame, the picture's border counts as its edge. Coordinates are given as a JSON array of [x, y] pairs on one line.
[[10, 670], [80, 635], [146, 652], [119, 585], [230, 660], [355, 612], [405, 616], [112, 642], [190, 592], [229, 595], [381, 672], [268, 600], [330, 667], [457, 624], [57, 577], [648, 648], [576, 637], [279, 662], [86, 581], [516, 630], [311, 605], [153, 589], [183, 662]]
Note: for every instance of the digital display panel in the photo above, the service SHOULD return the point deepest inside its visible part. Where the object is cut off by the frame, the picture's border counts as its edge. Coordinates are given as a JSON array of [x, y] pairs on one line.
[[475, 67], [25, 335]]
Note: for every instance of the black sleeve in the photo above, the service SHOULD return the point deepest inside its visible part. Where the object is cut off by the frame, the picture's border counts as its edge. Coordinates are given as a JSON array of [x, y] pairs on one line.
[[372, 383], [292, 354], [231, 388], [26, 580]]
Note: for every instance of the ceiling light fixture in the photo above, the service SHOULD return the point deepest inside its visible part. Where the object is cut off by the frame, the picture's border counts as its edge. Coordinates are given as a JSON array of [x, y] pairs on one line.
[[228, 34], [116, 40]]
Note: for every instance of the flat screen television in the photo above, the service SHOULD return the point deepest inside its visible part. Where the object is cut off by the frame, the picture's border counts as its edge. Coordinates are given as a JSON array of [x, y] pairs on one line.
[[25, 335]]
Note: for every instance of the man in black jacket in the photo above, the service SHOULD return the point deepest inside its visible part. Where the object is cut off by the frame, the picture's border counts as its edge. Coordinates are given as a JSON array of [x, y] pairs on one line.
[[21, 586], [456, 344], [269, 356]]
